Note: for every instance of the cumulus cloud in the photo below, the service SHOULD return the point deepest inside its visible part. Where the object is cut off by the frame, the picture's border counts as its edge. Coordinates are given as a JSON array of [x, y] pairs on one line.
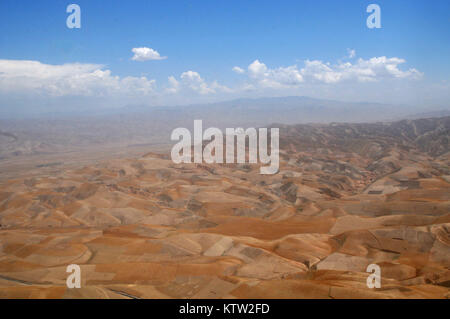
[[92, 80], [316, 70], [75, 79], [23, 78], [371, 70], [274, 78], [193, 81], [257, 69], [145, 54], [238, 70], [174, 85]]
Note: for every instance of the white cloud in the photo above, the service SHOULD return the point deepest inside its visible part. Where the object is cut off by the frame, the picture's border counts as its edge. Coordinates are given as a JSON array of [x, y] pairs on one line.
[[174, 85], [257, 69], [19, 78], [195, 82], [371, 70], [76, 79], [274, 78], [145, 54], [319, 71], [238, 70]]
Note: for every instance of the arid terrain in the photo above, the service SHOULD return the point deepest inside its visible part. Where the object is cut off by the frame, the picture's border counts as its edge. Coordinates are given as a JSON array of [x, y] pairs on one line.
[[140, 226]]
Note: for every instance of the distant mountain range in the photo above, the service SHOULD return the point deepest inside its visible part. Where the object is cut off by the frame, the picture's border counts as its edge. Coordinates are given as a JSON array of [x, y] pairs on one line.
[[132, 125], [287, 110], [426, 115], [258, 111]]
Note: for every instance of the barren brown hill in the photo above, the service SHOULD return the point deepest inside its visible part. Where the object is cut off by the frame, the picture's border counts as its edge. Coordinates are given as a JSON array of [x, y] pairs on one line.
[[346, 196]]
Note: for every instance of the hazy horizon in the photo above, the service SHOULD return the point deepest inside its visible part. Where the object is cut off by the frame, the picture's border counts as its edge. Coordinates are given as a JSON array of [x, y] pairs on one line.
[[401, 110], [173, 53]]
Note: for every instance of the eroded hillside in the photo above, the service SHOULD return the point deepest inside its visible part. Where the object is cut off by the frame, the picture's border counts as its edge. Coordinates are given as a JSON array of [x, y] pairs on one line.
[[346, 196]]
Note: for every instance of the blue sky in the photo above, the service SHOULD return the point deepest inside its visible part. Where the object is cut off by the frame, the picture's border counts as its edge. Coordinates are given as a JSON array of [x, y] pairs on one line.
[[209, 38]]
